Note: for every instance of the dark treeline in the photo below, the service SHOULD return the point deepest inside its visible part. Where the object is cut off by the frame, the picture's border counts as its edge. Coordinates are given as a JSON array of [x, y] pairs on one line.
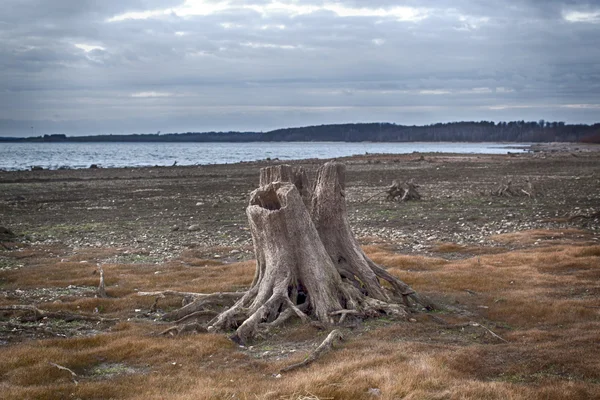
[[484, 131]]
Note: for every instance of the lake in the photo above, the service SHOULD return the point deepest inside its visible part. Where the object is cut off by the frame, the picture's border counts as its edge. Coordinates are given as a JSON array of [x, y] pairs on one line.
[[22, 156]]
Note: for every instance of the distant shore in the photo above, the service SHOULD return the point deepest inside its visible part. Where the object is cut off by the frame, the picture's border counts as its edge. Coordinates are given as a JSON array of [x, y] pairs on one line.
[[464, 131]]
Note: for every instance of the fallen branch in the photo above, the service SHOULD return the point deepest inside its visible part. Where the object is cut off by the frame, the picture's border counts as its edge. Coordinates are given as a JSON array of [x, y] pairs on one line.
[[490, 331], [323, 348], [464, 325], [73, 374], [66, 316], [375, 195]]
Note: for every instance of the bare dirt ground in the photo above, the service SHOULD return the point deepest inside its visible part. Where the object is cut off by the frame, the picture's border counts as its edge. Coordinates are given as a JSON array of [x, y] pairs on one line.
[[525, 268]]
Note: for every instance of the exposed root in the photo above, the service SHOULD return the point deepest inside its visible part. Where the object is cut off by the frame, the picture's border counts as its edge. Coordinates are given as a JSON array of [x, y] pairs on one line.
[[184, 329], [66, 316], [197, 314], [323, 348], [296, 310], [203, 301], [344, 313], [375, 195], [250, 326], [162, 294]]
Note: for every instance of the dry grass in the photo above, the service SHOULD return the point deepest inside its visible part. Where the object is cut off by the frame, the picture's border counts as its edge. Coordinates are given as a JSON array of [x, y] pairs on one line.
[[526, 238], [544, 301]]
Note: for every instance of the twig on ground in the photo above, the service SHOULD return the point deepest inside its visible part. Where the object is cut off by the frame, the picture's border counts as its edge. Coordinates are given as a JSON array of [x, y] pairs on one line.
[[489, 330]]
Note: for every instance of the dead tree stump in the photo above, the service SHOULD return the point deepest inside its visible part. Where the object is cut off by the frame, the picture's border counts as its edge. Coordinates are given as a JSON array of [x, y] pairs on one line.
[[508, 189], [294, 274], [308, 263], [405, 191]]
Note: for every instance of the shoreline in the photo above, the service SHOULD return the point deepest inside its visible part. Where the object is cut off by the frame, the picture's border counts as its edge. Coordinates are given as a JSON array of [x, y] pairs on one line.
[[525, 149]]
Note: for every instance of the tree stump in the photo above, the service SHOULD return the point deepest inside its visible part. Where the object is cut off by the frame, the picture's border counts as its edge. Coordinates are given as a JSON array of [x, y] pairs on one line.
[[308, 263], [405, 191], [293, 270]]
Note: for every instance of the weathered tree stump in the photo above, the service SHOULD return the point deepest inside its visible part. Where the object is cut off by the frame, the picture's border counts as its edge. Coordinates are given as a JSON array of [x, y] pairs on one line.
[[294, 273], [308, 263], [508, 189], [405, 191]]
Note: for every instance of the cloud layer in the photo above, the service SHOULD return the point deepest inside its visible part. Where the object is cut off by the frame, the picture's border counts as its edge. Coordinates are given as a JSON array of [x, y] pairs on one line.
[[85, 67]]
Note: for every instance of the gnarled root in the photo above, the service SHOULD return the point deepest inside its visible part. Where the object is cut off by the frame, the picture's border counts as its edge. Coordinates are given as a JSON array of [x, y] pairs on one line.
[[323, 348], [184, 329], [202, 303]]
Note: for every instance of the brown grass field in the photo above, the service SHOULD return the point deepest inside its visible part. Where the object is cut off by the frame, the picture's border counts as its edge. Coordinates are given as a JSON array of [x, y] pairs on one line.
[[519, 319], [543, 302]]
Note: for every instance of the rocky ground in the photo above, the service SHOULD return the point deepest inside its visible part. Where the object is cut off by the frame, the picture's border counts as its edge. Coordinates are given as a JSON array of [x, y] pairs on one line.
[[153, 214]]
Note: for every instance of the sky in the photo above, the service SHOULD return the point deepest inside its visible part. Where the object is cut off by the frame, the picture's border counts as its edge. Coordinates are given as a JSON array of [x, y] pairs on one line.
[[83, 67]]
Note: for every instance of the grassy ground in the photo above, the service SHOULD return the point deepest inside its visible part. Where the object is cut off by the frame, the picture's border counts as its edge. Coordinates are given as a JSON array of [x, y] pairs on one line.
[[520, 315]]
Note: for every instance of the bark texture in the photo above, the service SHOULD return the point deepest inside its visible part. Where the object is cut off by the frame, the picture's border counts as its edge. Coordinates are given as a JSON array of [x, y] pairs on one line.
[[287, 173], [330, 216], [293, 270]]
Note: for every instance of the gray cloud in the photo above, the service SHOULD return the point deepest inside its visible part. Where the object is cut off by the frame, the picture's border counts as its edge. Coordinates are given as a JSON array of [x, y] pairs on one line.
[[145, 65]]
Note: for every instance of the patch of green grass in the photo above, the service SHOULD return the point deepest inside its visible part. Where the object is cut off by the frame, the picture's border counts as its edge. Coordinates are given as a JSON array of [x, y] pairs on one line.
[[109, 370]]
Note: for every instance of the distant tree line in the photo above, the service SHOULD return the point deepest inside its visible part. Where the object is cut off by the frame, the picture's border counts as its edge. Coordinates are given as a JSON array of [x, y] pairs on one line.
[[484, 131]]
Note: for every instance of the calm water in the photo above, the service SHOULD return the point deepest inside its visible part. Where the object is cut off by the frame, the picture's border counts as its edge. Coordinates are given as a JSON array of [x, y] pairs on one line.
[[20, 156]]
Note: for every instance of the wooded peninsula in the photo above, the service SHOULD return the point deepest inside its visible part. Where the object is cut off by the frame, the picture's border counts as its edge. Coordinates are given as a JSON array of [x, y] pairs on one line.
[[484, 131]]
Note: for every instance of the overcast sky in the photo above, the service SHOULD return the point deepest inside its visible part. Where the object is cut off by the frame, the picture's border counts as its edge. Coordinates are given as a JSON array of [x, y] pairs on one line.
[[132, 66]]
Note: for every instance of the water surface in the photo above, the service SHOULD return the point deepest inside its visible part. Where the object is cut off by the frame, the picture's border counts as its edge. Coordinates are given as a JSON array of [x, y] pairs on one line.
[[20, 156]]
